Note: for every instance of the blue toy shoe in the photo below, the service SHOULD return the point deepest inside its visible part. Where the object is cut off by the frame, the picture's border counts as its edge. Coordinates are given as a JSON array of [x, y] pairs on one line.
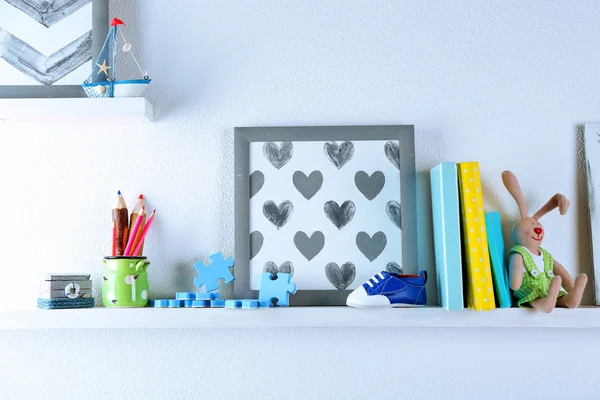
[[390, 290]]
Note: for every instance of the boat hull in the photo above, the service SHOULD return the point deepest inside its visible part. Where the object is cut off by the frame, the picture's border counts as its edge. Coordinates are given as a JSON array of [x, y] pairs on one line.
[[124, 88], [131, 88]]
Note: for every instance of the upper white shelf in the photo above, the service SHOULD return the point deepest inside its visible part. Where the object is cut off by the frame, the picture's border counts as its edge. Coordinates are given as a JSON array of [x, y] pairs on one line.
[[295, 317], [125, 109]]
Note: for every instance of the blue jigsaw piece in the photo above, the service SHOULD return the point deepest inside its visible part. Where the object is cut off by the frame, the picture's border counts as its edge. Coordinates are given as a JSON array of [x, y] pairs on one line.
[[158, 303], [166, 303], [210, 274], [279, 289], [175, 303], [217, 303], [196, 303], [188, 296], [207, 296], [185, 296], [201, 303], [246, 304]]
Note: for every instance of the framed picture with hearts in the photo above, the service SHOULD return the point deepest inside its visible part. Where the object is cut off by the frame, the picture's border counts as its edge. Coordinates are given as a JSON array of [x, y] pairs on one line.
[[330, 205]]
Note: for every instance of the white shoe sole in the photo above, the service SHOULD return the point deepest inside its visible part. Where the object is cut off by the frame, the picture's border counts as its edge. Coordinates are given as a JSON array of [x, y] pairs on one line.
[[399, 305]]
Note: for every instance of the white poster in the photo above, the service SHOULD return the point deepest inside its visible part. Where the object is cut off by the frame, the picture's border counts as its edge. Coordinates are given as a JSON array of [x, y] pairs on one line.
[[592, 155]]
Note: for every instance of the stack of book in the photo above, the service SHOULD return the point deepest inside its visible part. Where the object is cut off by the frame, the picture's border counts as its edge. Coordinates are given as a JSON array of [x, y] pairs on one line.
[[469, 249]]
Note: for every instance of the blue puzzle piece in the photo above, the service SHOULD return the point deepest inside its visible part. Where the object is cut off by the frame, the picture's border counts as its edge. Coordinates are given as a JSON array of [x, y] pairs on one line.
[[158, 303], [196, 303], [217, 303], [185, 296], [166, 303], [207, 296], [201, 303], [279, 289], [210, 274], [188, 296], [233, 304], [245, 304]]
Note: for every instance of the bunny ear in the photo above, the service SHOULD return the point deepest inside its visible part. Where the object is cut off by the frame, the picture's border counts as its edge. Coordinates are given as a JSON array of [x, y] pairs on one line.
[[558, 200], [510, 181]]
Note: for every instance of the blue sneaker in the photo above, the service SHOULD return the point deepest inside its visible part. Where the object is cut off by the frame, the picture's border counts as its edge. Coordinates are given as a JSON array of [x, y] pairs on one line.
[[390, 290]]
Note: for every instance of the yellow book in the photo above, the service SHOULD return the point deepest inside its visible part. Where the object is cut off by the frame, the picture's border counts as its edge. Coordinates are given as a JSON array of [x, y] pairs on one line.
[[480, 289]]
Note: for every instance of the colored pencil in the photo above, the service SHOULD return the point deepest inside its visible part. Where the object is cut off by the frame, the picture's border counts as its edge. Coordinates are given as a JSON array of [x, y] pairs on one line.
[[134, 231], [121, 217], [136, 251], [114, 238], [133, 218]]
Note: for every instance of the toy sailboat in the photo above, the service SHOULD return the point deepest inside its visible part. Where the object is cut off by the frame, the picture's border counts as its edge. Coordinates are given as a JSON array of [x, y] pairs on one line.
[[102, 82]]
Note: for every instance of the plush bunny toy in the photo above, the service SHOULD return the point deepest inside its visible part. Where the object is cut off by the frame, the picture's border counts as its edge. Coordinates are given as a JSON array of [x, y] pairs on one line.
[[536, 277]]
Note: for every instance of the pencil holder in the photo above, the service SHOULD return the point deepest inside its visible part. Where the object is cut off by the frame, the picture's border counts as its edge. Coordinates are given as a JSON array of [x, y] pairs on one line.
[[125, 282]]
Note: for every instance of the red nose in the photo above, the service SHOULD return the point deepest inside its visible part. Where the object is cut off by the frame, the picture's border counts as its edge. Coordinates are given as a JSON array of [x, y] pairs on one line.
[[537, 230]]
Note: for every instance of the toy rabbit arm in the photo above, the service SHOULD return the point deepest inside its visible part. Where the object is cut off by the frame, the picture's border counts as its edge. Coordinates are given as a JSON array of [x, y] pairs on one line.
[[567, 280], [516, 271]]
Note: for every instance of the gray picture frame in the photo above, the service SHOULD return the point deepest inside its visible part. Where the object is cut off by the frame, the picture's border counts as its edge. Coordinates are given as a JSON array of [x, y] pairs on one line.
[[243, 136], [99, 31]]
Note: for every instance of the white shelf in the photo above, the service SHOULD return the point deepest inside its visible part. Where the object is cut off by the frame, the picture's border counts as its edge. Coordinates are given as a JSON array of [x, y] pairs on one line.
[[126, 109], [295, 317]]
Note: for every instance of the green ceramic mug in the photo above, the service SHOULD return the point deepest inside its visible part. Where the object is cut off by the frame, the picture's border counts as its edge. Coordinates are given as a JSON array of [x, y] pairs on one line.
[[125, 281]]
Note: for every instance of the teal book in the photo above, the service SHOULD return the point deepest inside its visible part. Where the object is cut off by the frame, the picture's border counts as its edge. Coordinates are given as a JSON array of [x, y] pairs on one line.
[[446, 235], [496, 249]]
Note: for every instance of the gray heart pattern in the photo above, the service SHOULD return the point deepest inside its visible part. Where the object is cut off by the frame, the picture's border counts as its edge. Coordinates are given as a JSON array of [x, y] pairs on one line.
[[309, 247], [393, 210], [369, 186], [308, 186], [278, 156], [371, 247], [257, 180], [394, 268], [340, 277], [392, 152], [278, 215], [286, 267], [339, 155], [340, 216], [256, 242]]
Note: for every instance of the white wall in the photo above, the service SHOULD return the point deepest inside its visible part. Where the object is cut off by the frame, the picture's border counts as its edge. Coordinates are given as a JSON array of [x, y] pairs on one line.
[[505, 83]]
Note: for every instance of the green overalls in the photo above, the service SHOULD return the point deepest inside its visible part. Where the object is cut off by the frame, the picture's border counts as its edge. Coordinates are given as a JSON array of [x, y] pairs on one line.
[[535, 285]]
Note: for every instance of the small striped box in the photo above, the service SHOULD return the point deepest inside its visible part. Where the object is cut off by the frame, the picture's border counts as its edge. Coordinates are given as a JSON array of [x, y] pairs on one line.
[[59, 291], [480, 291]]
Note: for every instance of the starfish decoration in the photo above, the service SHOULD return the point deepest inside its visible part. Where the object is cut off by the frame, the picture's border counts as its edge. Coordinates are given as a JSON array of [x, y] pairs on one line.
[[103, 68]]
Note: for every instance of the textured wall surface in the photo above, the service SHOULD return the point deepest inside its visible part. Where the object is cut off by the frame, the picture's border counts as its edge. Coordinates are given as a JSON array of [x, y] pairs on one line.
[[506, 83]]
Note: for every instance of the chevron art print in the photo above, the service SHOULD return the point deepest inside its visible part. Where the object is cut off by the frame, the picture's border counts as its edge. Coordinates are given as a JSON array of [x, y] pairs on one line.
[[45, 42]]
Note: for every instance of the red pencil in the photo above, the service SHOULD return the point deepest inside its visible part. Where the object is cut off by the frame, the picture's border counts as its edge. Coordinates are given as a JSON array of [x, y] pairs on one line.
[[143, 235], [114, 238]]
